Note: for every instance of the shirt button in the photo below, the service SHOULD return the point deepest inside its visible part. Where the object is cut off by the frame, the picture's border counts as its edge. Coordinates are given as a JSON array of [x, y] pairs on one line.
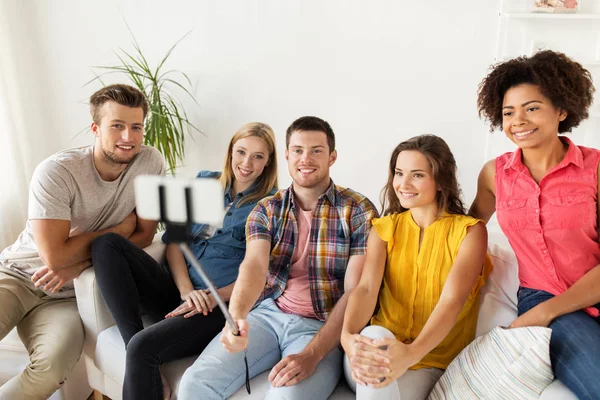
[[219, 231], [537, 211], [229, 213], [544, 252]]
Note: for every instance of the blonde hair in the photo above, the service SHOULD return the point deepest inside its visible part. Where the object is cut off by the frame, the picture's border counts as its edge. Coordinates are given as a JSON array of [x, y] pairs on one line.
[[267, 181]]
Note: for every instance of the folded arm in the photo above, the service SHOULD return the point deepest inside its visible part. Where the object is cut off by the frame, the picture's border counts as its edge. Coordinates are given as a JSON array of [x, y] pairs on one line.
[[58, 251]]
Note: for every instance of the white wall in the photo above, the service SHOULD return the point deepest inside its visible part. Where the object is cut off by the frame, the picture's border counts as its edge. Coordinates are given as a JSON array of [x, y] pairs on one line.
[[378, 71]]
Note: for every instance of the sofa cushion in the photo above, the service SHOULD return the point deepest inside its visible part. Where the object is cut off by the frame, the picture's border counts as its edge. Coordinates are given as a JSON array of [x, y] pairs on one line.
[[110, 358], [503, 364], [498, 298]]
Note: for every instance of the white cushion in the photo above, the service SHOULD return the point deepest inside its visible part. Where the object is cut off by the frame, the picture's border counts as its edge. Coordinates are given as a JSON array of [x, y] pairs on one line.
[[110, 359], [557, 391], [504, 364], [498, 298]]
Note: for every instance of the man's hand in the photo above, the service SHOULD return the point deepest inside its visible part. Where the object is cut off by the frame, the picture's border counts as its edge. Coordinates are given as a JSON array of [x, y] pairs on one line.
[[126, 227], [294, 369], [233, 343], [537, 316], [52, 281], [195, 302]]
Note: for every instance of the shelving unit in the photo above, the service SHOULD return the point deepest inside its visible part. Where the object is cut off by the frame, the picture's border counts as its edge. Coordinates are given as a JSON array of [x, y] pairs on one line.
[[521, 32], [532, 15]]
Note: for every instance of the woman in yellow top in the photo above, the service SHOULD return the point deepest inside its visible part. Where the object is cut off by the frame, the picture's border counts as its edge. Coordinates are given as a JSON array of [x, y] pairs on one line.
[[426, 261]]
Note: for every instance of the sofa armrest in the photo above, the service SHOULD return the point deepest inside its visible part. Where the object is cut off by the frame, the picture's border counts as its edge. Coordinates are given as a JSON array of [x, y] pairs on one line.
[[93, 310]]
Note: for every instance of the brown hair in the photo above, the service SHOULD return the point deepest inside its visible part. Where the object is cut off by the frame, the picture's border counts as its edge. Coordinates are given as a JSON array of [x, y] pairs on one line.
[[311, 124], [443, 166], [267, 181], [124, 95], [565, 82]]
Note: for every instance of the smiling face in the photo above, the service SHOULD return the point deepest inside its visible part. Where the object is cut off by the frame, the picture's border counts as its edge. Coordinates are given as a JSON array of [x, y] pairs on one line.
[[119, 134], [413, 182], [529, 118], [249, 156], [309, 158]]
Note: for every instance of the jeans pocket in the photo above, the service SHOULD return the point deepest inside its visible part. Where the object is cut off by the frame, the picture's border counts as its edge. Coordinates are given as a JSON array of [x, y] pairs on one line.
[[529, 298]]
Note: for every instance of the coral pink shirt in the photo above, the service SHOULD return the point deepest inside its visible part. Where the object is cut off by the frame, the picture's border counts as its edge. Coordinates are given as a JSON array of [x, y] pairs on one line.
[[296, 299], [552, 227]]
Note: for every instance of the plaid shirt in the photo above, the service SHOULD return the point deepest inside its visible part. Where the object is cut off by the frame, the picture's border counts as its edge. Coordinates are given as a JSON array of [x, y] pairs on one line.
[[339, 229]]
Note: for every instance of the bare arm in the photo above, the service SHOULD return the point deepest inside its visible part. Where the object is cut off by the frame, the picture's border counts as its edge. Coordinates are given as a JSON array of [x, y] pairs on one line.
[[484, 205], [58, 250], [178, 268], [144, 233], [363, 299], [584, 293], [194, 301], [251, 279], [53, 281], [463, 276], [380, 362]]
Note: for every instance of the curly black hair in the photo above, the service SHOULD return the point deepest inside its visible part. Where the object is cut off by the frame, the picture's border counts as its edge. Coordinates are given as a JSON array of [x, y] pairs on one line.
[[564, 81]]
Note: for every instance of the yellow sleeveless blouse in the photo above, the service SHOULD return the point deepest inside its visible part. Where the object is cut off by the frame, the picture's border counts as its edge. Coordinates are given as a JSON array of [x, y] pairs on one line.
[[413, 281]]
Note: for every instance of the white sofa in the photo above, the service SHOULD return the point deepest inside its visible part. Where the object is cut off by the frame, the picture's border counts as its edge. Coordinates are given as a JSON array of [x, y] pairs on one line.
[[14, 358], [104, 351]]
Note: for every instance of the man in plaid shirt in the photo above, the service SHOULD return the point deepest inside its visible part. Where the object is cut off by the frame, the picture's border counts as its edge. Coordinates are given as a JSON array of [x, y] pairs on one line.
[[305, 252]]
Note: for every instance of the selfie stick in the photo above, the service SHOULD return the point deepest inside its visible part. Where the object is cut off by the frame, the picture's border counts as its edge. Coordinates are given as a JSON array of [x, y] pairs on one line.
[[180, 233]]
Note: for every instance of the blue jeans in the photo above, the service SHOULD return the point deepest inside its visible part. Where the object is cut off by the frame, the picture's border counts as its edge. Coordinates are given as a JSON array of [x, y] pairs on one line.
[[574, 345], [273, 335]]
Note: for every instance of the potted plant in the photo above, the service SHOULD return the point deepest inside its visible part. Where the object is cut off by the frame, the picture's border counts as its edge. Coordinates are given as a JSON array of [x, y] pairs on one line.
[[167, 122]]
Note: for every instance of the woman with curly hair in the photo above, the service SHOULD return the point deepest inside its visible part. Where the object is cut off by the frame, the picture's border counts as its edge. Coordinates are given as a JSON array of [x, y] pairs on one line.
[[420, 284], [545, 194]]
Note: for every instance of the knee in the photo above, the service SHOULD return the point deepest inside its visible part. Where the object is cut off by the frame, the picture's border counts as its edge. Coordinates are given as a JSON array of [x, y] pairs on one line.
[[376, 332], [192, 386], [107, 241], [53, 368], [139, 348]]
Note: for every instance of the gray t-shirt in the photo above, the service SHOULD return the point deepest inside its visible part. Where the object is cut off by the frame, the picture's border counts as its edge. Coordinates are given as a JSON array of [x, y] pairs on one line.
[[67, 186]]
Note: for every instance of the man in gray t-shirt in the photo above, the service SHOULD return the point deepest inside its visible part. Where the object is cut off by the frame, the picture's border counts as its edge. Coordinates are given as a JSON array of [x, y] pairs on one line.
[[74, 196]]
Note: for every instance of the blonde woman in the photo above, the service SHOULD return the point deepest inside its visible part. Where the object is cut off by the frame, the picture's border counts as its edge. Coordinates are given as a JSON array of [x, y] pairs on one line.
[[133, 283]]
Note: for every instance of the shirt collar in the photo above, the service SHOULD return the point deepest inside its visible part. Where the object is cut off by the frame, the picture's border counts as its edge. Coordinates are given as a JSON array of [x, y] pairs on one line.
[[329, 194], [241, 194], [573, 156]]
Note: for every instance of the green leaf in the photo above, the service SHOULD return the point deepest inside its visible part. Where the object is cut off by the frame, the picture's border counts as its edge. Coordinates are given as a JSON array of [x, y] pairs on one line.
[[167, 122]]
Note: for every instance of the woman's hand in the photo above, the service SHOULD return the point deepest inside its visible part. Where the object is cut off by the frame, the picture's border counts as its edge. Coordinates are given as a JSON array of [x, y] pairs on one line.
[[537, 316], [382, 361], [194, 302], [366, 363]]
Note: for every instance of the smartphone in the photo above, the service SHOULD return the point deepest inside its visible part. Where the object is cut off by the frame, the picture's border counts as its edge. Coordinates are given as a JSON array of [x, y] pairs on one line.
[[205, 199]]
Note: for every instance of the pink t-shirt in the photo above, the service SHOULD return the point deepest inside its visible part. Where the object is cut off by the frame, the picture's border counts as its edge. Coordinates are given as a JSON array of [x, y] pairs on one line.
[[296, 299], [552, 227]]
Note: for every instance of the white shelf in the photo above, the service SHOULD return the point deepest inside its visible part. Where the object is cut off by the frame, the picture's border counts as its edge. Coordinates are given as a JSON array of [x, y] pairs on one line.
[[532, 15]]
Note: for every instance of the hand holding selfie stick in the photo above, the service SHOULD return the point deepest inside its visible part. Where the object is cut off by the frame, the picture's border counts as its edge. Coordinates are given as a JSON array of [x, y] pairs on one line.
[[180, 233]]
